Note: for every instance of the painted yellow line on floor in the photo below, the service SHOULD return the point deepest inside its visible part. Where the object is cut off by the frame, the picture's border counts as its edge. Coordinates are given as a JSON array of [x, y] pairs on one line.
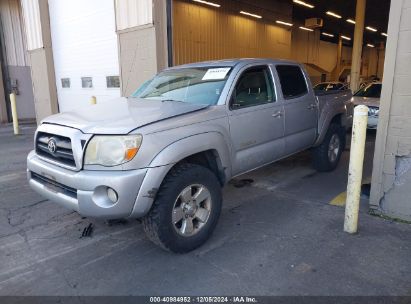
[[339, 200]]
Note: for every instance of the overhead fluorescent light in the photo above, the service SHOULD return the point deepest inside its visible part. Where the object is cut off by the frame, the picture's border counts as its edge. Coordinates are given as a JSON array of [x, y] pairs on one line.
[[384, 34], [306, 29], [351, 21], [207, 3], [370, 45], [303, 3], [371, 29], [345, 37], [333, 14], [251, 15], [326, 34], [284, 23]]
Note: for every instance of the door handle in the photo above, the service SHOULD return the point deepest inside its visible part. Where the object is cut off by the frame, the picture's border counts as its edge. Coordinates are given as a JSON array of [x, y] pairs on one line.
[[312, 106], [277, 114]]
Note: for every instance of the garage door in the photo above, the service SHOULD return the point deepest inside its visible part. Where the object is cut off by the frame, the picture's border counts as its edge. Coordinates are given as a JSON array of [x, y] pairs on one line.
[[85, 51]]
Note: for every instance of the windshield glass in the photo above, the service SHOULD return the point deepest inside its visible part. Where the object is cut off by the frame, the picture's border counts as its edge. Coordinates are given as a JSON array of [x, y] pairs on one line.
[[192, 85], [372, 90]]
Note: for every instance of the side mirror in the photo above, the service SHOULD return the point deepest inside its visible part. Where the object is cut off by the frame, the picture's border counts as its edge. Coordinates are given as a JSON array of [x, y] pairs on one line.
[[233, 102]]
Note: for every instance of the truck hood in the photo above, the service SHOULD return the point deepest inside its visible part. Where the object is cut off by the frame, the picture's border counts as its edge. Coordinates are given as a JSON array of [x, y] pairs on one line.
[[122, 115], [367, 101]]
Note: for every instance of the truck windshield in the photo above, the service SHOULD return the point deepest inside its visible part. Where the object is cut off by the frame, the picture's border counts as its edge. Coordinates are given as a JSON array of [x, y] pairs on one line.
[[372, 91], [201, 85]]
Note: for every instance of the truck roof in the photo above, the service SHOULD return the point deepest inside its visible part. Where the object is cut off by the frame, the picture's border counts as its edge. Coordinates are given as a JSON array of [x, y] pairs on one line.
[[232, 62]]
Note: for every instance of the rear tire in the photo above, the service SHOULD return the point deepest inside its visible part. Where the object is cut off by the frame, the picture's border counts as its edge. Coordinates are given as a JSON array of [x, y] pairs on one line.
[[327, 155], [186, 209]]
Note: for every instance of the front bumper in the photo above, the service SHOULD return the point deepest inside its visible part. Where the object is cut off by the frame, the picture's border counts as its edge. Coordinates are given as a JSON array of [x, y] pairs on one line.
[[85, 191]]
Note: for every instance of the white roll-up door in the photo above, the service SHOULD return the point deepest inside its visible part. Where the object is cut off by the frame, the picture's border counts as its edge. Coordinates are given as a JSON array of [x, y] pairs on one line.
[[85, 51]]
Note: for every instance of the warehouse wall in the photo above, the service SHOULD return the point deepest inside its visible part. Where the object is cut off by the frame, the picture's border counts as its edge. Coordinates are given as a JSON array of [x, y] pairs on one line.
[[202, 33], [391, 180], [142, 41], [373, 62], [37, 27], [308, 48], [16, 58]]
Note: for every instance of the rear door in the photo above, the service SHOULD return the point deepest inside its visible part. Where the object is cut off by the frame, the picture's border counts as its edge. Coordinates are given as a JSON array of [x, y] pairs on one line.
[[256, 120], [300, 107]]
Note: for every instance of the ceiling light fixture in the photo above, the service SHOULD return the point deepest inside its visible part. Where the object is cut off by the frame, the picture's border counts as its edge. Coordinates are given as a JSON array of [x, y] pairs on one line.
[[207, 3], [303, 3], [251, 15], [284, 23], [306, 29], [351, 21], [384, 34], [345, 37], [326, 34], [370, 45], [333, 14], [371, 29]]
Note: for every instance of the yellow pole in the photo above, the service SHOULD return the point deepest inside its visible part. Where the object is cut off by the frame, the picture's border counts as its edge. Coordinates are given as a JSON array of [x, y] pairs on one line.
[[359, 132], [93, 100], [357, 45], [14, 113]]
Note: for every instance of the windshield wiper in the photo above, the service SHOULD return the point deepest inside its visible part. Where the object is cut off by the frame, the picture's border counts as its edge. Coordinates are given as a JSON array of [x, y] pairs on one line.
[[165, 100]]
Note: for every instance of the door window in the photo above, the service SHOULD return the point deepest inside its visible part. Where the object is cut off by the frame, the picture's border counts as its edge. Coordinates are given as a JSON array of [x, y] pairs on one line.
[[292, 81], [254, 87]]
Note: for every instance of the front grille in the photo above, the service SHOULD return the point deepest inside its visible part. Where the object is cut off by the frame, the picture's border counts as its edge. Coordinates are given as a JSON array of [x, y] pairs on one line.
[[63, 151], [53, 185]]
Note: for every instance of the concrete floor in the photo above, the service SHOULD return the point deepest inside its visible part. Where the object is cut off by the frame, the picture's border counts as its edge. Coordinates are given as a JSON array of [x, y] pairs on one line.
[[277, 236]]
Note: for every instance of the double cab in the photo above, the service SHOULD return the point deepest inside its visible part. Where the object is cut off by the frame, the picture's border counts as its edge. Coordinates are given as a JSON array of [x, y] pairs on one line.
[[164, 153]]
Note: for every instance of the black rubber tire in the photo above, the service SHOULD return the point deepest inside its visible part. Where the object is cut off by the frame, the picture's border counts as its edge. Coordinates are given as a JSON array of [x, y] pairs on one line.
[[158, 224], [321, 161]]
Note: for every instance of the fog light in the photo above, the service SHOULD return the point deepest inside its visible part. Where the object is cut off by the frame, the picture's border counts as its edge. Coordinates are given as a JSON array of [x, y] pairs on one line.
[[112, 195]]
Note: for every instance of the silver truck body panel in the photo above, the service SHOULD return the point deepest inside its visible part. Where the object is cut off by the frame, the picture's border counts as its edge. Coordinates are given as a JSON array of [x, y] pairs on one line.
[[240, 140], [121, 116]]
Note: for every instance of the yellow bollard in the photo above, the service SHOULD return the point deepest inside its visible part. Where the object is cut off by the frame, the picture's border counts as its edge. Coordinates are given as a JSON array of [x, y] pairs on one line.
[[359, 132], [14, 113], [93, 100]]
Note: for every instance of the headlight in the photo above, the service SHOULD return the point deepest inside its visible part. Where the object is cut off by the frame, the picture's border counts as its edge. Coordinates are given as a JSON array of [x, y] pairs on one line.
[[112, 150]]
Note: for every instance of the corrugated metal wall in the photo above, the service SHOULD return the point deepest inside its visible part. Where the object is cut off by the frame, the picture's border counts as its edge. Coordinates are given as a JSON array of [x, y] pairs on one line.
[[131, 13], [14, 39], [202, 33], [31, 15]]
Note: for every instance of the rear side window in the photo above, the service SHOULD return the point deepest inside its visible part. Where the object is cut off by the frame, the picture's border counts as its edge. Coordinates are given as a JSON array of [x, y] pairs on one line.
[[292, 81]]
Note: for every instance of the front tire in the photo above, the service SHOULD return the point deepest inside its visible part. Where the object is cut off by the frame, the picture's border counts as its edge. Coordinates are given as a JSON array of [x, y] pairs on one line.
[[327, 155], [186, 209]]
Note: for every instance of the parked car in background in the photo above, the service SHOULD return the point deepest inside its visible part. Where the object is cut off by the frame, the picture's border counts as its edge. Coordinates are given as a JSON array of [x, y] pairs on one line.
[[369, 95], [331, 86], [163, 154]]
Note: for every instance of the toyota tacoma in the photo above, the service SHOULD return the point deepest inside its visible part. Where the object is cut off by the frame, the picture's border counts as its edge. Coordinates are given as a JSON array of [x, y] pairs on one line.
[[164, 153]]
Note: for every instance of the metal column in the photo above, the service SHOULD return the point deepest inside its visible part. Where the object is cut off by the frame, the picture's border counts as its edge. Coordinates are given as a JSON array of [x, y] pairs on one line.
[[358, 43]]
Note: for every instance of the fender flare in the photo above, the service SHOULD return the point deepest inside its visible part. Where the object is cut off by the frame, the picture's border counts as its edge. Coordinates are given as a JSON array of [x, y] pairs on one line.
[[322, 130], [194, 144], [172, 154]]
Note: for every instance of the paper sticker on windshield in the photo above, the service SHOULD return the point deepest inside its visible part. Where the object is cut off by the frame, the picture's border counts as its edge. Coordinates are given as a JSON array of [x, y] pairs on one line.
[[216, 74]]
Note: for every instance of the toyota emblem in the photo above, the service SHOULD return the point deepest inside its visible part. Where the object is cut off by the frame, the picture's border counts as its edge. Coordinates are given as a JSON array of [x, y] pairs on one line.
[[52, 145]]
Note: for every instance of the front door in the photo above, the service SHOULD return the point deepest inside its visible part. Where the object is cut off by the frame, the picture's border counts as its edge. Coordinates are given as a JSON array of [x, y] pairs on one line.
[[256, 120], [300, 107]]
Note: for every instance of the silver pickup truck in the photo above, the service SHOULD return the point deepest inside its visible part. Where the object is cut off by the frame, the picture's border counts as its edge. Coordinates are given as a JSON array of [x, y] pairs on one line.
[[164, 153]]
